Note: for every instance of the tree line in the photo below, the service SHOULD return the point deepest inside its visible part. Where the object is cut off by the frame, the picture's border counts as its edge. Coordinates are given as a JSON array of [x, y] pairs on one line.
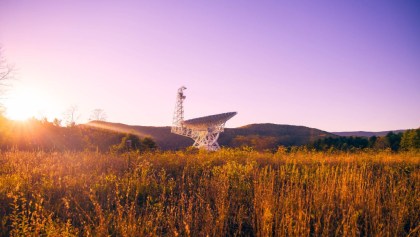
[[408, 140]]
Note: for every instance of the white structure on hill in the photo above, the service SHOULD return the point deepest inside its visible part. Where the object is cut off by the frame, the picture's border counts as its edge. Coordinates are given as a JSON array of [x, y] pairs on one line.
[[204, 130]]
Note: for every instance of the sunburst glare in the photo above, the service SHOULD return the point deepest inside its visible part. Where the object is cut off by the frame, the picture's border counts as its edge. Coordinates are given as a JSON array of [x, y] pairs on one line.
[[24, 104]]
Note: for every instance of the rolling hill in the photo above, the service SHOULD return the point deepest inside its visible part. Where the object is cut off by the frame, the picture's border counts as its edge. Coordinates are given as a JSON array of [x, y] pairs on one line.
[[260, 136], [365, 133]]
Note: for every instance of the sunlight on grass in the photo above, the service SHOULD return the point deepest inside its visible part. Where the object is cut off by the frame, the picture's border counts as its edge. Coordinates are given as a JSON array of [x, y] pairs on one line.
[[225, 193]]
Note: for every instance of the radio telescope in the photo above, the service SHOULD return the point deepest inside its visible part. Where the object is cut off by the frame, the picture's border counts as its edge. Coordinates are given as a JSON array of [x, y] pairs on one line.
[[203, 130]]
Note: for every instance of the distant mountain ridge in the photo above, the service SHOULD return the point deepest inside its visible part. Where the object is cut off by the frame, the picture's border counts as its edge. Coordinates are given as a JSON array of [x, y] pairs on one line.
[[260, 136], [366, 133]]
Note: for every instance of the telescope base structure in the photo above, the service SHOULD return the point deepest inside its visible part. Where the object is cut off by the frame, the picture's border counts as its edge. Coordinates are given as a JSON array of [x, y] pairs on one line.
[[202, 139], [206, 140]]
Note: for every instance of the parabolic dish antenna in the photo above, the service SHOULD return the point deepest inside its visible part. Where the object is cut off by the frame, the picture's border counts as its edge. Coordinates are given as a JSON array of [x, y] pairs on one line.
[[203, 130]]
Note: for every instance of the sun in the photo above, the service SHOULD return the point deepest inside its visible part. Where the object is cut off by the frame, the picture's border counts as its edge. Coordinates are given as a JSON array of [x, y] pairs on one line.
[[19, 110], [23, 104]]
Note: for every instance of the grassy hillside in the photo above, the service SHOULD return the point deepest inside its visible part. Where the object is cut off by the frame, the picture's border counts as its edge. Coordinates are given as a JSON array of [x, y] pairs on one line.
[[162, 135], [260, 136], [224, 193], [273, 134], [43, 135]]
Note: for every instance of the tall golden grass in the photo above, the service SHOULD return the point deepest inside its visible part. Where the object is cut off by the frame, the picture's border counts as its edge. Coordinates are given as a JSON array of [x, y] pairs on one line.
[[224, 193]]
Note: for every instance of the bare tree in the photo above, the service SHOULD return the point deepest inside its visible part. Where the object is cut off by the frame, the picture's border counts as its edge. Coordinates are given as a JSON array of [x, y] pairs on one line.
[[71, 115], [98, 115], [6, 73], [5, 68], [57, 122]]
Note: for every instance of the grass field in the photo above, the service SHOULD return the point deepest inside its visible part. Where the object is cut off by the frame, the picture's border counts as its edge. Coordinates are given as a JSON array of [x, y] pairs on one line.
[[225, 193]]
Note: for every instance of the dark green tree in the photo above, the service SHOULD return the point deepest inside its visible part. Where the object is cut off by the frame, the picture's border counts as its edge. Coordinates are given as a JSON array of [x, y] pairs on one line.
[[148, 144], [394, 140], [131, 142]]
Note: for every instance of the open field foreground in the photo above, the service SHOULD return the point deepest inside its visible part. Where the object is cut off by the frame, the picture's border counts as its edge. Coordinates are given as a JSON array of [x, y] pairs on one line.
[[225, 193]]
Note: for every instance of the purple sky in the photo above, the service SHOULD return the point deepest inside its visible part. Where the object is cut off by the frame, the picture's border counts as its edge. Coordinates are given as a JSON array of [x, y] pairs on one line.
[[332, 65]]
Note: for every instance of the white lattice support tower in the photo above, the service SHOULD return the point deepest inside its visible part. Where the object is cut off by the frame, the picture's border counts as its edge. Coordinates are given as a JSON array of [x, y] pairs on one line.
[[179, 108], [178, 117], [205, 130]]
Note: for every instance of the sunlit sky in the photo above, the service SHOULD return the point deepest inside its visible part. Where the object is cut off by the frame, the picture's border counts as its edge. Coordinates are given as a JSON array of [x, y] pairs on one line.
[[332, 65]]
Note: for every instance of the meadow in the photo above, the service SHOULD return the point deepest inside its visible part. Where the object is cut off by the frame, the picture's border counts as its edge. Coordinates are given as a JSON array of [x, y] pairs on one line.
[[232, 192]]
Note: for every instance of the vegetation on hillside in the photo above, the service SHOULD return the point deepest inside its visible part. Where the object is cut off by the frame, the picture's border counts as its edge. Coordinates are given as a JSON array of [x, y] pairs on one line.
[[224, 193], [36, 135], [271, 136], [258, 136], [102, 136], [131, 142], [409, 140]]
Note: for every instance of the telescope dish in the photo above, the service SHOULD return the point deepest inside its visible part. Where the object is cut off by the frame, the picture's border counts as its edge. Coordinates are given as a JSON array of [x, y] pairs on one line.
[[203, 123], [204, 130]]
